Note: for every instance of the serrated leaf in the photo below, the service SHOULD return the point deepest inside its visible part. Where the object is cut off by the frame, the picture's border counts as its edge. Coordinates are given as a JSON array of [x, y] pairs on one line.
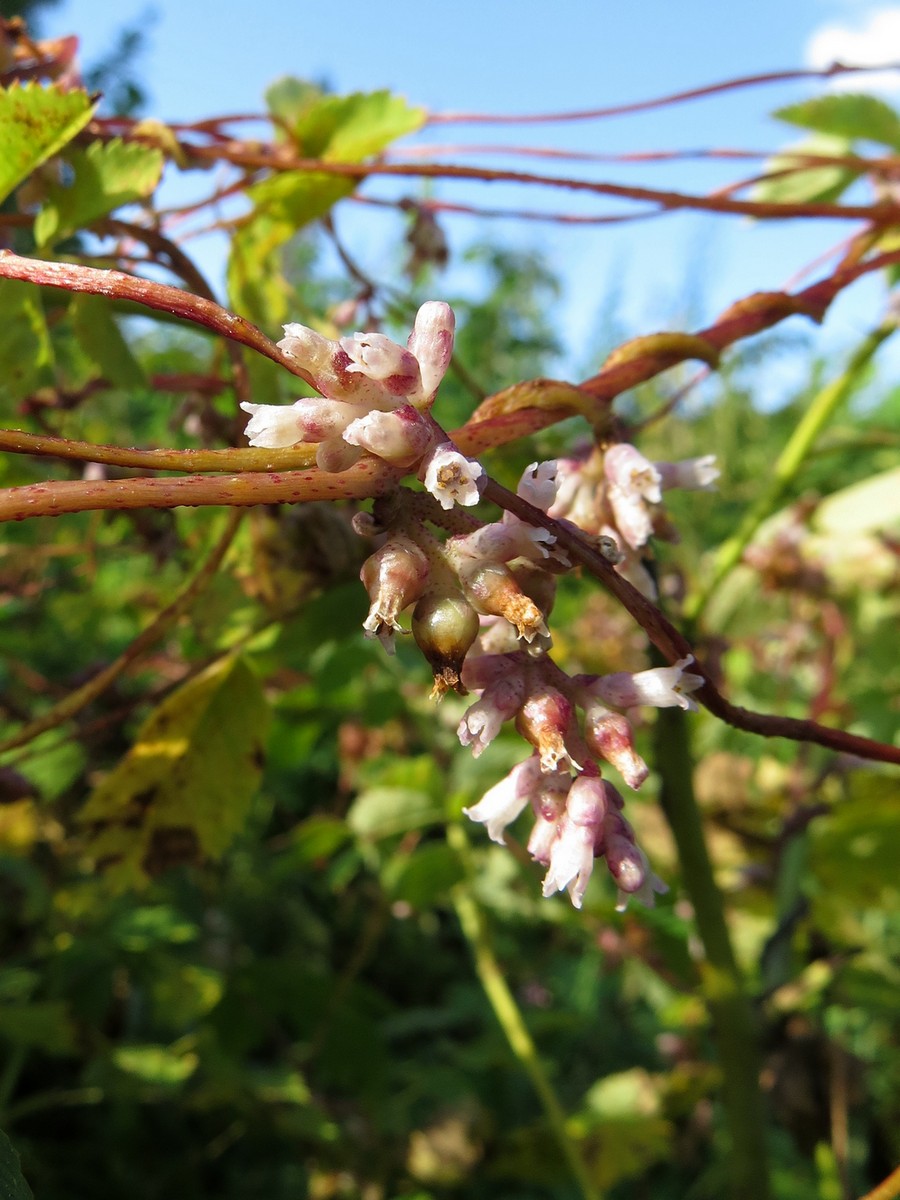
[[805, 184], [12, 1181], [185, 788], [853, 115], [100, 338], [35, 123], [105, 176], [342, 128], [24, 341]]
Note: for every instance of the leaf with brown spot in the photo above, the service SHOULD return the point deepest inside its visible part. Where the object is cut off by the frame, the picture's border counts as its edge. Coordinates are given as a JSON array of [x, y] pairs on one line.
[[185, 788]]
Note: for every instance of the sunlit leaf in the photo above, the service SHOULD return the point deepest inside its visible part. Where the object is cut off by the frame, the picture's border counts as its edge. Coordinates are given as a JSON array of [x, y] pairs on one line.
[[158, 1065], [792, 179], [854, 115], [186, 786], [104, 176], [35, 123]]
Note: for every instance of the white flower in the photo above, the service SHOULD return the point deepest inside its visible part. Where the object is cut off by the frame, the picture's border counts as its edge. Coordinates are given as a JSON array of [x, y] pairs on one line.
[[661, 687], [538, 484], [626, 468], [572, 854], [452, 478], [309, 419], [695, 474], [502, 803]]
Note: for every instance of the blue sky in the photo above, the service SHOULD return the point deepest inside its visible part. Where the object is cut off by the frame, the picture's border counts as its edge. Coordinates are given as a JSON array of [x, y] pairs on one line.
[[514, 56]]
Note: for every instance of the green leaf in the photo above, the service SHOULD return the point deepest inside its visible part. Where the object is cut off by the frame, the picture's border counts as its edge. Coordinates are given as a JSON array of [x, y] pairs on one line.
[[24, 341], [106, 176], [852, 115], [342, 128], [157, 1065], [35, 123], [382, 812], [805, 184], [102, 341], [40, 1025], [12, 1181], [425, 876], [185, 788]]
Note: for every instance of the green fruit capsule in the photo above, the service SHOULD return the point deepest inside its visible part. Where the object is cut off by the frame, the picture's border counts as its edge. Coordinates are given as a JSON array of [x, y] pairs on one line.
[[444, 627]]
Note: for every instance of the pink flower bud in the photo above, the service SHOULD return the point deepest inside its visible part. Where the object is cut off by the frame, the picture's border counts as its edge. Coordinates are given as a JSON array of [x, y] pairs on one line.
[[400, 437], [538, 484], [445, 626], [544, 720], [483, 720], [609, 735], [431, 341], [548, 802], [378, 358], [395, 577], [494, 591], [309, 419]]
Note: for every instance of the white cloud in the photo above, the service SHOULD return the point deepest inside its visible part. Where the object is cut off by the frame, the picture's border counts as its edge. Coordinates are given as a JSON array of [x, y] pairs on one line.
[[873, 40]]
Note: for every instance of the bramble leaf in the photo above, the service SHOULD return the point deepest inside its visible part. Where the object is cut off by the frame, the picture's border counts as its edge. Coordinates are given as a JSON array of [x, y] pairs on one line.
[[35, 123], [851, 115], [106, 176], [792, 180]]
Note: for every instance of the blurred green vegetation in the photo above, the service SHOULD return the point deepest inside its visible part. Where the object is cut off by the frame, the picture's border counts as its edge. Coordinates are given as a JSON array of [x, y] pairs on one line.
[[231, 960]]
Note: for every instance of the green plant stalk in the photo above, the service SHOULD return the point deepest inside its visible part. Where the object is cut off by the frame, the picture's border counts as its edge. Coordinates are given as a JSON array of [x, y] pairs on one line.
[[722, 983], [798, 447], [509, 1015]]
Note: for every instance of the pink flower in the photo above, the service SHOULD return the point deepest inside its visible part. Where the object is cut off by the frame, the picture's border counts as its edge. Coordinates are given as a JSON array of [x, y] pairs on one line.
[[483, 720], [572, 853], [502, 803], [660, 687]]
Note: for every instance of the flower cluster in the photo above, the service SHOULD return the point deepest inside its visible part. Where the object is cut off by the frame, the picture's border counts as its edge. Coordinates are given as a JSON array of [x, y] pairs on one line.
[[482, 598], [481, 594], [617, 492], [578, 815], [375, 398]]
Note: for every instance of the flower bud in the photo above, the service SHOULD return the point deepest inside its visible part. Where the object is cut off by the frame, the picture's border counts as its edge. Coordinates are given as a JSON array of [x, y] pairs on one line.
[[609, 735], [431, 341], [544, 720], [445, 626], [378, 358], [395, 577], [483, 720], [493, 590], [400, 437]]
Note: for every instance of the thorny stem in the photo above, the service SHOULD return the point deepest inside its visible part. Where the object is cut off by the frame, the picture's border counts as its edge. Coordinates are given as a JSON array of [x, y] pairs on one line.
[[73, 703], [509, 1017], [734, 1028], [789, 462]]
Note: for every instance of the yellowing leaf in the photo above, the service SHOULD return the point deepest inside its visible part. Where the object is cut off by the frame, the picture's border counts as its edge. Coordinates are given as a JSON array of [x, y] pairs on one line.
[[185, 788], [105, 176], [35, 123], [158, 1065]]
